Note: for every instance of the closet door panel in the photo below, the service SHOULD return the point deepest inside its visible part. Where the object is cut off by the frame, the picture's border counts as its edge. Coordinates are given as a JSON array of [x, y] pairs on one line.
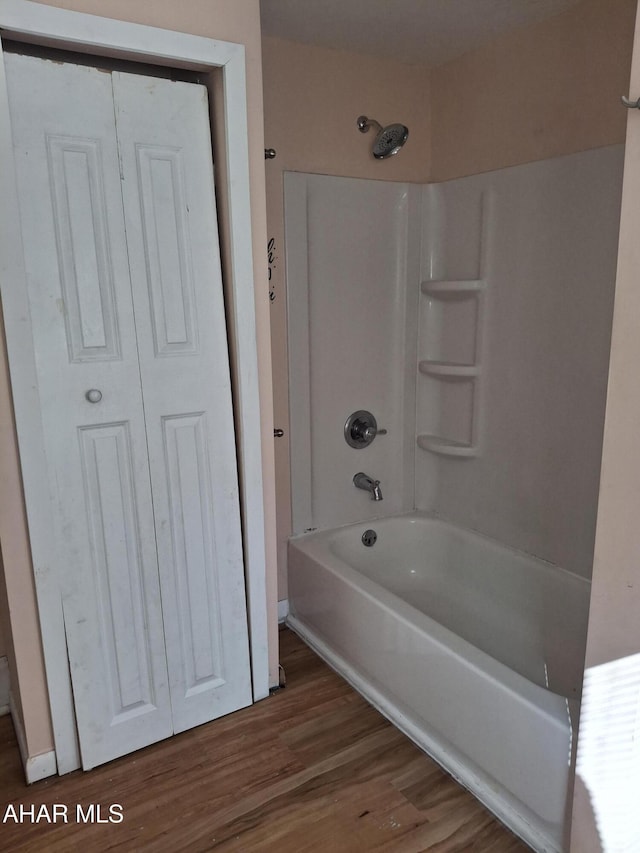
[[97, 462], [169, 201]]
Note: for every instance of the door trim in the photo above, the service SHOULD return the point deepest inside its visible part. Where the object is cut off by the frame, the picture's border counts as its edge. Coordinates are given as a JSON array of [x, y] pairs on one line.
[[224, 63]]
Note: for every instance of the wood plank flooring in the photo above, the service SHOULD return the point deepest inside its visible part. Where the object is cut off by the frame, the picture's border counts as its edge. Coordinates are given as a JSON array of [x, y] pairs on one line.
[[312, 768]]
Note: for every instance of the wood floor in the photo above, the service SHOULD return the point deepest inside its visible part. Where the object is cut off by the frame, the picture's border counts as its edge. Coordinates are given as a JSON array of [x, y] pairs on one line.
[[312, 768]]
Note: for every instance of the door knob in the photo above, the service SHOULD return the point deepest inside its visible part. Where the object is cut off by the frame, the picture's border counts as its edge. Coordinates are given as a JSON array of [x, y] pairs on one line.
[[93, 395], [278, 433]]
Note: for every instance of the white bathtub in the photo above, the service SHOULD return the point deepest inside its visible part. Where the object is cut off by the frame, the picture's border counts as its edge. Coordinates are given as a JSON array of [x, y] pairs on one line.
[[474, 650]]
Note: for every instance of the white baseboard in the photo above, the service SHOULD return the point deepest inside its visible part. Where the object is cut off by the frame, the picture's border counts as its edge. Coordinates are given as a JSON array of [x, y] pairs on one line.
[[41, 766], [283, 610], [36, 767], [4, 686]]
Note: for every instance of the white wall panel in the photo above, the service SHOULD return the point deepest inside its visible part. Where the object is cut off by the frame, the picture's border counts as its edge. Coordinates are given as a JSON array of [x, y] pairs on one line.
[[346, 275], [549, 299]]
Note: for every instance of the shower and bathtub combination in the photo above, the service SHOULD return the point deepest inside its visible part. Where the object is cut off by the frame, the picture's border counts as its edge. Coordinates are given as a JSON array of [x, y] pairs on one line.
[[448, 352]]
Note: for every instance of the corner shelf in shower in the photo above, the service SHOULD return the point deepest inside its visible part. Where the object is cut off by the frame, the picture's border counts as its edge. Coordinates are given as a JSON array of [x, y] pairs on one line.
[[448, 370], [448, 289], [447, 292], [446, 446]]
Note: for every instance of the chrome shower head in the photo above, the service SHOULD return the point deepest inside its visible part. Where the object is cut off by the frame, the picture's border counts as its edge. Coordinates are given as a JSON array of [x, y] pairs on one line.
[[389, 140]]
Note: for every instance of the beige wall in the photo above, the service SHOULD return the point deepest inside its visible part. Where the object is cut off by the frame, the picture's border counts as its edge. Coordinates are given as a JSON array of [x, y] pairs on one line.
[[313, 96], [542, 91], [6, 646], [4, 620], [614, 617], [17, 598], [228, 20], [312, 99]]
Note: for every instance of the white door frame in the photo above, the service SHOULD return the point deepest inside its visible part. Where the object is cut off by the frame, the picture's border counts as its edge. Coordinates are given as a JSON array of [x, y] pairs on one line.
[[36, 23]]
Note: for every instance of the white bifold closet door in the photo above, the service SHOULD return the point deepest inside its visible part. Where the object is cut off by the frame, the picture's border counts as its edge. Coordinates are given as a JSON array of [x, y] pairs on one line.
[[119, 228]]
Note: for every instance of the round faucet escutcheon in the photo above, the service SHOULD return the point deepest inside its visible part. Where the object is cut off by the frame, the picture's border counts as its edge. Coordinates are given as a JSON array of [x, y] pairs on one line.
[[360, 429]]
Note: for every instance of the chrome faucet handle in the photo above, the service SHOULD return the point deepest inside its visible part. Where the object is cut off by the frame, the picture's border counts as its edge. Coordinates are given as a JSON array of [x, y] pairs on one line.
[[371, 432], [360, 429]]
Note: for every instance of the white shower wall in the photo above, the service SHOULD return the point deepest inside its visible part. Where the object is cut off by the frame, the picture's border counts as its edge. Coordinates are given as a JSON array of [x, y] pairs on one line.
[[541, 240], [348, 261], [550, 259]]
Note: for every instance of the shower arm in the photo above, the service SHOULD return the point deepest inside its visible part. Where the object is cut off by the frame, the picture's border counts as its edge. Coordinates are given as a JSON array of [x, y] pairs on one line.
[[364, 123]]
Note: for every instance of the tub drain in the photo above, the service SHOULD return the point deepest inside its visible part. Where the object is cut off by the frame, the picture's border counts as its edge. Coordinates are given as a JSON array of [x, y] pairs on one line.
[[369, 538]]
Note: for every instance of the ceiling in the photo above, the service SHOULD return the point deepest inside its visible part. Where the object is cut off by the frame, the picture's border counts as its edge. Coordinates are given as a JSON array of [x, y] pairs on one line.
[[414, 31]]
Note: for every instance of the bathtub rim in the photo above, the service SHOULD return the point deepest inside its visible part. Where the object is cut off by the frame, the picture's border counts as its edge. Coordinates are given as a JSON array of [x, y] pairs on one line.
[[318, 533], [315, 545]]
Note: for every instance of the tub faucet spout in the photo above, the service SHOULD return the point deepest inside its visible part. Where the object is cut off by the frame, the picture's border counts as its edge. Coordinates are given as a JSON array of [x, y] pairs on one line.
[[363, 481]]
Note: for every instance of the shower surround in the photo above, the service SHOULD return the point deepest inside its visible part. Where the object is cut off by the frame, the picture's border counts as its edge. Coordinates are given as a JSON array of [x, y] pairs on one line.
[[472, 318]]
